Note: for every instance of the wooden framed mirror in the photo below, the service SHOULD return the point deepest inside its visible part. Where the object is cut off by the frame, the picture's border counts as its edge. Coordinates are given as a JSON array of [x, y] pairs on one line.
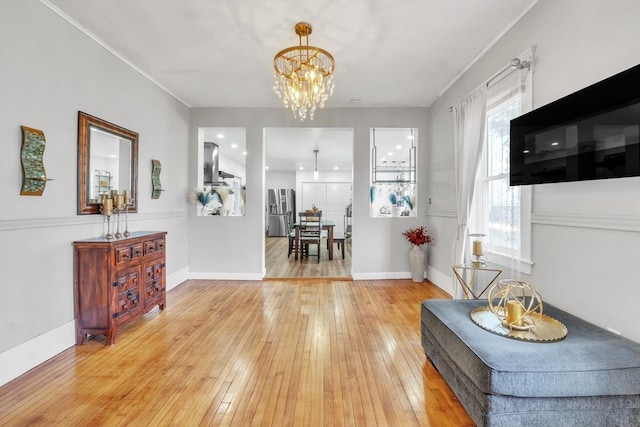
[[107, 160]]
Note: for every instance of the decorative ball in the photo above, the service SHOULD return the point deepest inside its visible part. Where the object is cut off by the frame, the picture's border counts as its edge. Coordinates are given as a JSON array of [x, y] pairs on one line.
[[515, 303]]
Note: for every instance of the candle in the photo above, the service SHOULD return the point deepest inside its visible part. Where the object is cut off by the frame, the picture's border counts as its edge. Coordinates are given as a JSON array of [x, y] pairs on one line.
[[477, 247], [515, 313], [107, 206], [127, 197], [119, 199]]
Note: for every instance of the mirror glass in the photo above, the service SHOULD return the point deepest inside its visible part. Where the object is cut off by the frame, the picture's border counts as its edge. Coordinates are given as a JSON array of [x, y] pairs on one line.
[[221, 172], [107, 162]]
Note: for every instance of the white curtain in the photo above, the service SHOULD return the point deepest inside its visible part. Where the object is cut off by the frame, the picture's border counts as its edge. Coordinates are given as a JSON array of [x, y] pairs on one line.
[[502, 212], [469, 127]]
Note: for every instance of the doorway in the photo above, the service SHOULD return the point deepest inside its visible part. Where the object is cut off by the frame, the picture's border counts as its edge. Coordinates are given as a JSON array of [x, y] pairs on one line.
[[312, 167]]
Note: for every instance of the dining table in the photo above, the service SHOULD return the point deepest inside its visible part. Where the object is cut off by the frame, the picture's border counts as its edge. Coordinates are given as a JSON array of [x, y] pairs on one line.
[[327, 225]]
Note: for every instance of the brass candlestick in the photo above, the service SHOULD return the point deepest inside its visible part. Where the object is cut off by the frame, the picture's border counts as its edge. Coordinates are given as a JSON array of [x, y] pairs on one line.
[[118, 233], [107, 210], [128, 203], [108, 214]]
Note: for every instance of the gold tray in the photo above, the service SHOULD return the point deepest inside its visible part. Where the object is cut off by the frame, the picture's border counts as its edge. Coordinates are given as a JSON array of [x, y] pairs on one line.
[[545, 329]]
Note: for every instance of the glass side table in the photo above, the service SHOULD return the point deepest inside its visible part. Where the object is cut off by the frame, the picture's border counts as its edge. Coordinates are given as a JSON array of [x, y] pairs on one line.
[[475, 279]]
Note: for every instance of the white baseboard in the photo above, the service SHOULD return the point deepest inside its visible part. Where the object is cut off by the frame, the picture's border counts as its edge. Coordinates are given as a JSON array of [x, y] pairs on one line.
[[18, 360], [177, 277], [441, 280], [225, 276], [382, 275]]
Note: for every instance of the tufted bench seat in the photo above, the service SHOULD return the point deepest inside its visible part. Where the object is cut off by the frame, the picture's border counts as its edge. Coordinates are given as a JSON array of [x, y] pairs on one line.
[[591, 378]]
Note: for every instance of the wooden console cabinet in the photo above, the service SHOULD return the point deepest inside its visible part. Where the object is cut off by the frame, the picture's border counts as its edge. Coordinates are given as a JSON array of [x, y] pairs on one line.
[[117, 281]]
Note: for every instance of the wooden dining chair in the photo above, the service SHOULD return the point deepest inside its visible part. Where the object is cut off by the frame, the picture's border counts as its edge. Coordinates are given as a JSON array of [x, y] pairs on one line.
[[291, 233], [339, 239], [310, 233]]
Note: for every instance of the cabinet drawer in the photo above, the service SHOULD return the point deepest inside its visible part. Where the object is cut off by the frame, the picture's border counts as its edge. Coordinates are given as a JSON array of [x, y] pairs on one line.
[[153, 246], [127, 253], [123, 255], [128, 305], [127, 280], [136, 250]]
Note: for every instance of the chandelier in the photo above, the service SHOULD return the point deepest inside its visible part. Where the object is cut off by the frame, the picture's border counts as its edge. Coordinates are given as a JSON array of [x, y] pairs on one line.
[[304, 75]]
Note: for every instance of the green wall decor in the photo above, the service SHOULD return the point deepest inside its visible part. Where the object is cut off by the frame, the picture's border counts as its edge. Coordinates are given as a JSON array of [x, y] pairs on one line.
[[156, 168], [34, 177]]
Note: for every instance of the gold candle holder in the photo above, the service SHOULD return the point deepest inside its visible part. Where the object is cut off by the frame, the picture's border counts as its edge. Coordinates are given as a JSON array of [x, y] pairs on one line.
[[515, 312], [477, 251], [118, 233], [128, 202], [515, 303], [107, 210]]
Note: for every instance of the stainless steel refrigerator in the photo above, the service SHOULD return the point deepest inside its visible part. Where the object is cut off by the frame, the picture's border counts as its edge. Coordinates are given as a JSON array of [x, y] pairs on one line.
[[281, 206]]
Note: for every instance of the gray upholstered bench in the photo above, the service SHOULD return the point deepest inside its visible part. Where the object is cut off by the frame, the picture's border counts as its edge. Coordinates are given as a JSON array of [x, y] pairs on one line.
[[591, 378]]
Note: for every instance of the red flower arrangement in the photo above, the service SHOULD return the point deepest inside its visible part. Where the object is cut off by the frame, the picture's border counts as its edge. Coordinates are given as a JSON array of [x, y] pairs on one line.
[[418, 236]]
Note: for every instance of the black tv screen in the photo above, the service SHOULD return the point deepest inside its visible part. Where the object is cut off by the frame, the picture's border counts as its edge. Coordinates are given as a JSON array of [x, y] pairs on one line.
[[590, 134]]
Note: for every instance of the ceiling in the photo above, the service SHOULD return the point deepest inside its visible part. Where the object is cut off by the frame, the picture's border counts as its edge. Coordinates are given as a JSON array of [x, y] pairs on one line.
[[219, 53]]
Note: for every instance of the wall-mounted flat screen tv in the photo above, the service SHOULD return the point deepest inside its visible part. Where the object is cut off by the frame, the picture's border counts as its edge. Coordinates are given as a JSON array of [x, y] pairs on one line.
[[590, 134]]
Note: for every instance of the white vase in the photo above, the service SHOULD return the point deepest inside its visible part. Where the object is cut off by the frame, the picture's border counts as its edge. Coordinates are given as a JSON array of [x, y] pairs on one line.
[[416, 262]]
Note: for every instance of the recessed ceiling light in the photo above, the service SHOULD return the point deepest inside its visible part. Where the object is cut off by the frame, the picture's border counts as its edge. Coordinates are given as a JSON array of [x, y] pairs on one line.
[[555, 143], [301, 168], [410, 137], [234, 145], [525, 151], [335, 168], [266, 167], [398, 147], [244, 153], [390, 153], [220, 136]]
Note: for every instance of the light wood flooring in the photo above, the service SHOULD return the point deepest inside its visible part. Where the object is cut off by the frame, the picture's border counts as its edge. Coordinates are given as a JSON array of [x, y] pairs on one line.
[[250, 353], [278, 265]]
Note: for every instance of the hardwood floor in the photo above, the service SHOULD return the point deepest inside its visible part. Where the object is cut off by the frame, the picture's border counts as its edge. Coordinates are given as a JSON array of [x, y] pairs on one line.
[[278, 265], [241, 353]]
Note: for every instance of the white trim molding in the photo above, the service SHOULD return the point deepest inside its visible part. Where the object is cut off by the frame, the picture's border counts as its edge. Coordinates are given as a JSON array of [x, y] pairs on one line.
[[443, 214], [217, 275], [382, 275], [72, 221], [177, 277], [20, 359], [111, 50], [603, 222]]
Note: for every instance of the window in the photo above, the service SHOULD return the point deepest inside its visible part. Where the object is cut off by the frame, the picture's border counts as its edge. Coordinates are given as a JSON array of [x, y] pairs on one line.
[[503, 212], [393, 173]]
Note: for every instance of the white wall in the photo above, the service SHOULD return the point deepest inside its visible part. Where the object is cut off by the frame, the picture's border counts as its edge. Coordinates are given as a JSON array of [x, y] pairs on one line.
[[379, 250], [49, 71], [585, 235], [586, 243]]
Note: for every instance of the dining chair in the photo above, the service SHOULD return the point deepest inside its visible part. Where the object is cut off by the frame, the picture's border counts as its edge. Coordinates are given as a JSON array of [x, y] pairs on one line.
[[339, 239], [309, 233], [291, 233]]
